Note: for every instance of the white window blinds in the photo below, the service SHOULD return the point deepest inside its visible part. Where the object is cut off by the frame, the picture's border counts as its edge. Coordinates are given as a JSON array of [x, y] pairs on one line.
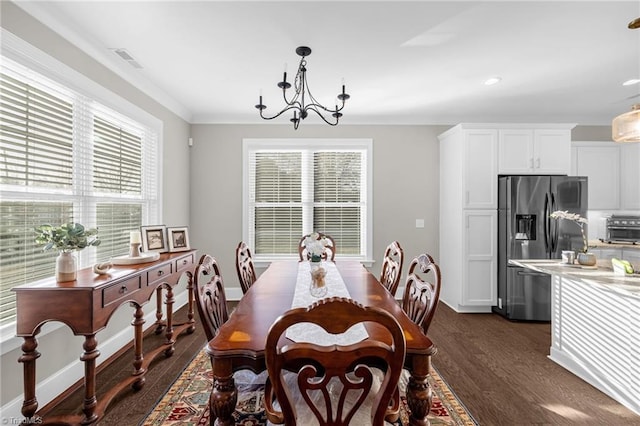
[[293, 188], [65, 157]]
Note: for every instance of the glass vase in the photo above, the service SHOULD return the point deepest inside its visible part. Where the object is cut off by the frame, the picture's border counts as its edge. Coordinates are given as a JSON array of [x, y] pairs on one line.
[[317, 286], [66, 267]]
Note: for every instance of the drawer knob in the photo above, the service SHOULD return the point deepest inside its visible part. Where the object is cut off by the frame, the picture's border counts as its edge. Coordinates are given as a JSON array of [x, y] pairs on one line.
[[123, 289], [160, 273], [184, 262]]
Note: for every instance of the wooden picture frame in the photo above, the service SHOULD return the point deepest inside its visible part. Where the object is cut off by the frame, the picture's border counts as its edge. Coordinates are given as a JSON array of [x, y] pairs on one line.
[[178, 238], [154, 238]]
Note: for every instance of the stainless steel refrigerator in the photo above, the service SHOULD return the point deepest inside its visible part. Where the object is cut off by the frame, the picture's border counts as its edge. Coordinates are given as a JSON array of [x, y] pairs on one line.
[[525, 231]]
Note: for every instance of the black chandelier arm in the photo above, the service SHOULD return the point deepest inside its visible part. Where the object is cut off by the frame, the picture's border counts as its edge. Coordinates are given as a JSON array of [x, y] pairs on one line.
[[290, 107], [335, 114]]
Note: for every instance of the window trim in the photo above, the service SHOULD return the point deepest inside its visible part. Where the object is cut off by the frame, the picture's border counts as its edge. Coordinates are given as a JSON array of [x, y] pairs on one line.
[[42, 63], [366, 144]]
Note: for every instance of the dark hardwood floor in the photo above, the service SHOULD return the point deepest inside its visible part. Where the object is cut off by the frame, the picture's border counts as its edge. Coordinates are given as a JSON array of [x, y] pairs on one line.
[[499, 369], [501, 372]]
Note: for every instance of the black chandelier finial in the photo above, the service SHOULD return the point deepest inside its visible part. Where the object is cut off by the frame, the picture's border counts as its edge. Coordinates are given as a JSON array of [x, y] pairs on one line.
[[303, 101]]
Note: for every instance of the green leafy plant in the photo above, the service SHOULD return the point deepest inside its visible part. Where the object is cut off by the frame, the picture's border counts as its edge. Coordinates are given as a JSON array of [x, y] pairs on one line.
[[67, 237]]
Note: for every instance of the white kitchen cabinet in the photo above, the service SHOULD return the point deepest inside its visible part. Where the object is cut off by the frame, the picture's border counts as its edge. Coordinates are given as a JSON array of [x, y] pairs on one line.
[[630, 176], [535, 150], [480, 169], [480, 256], [468, 202], [600, 162], [614, 175]]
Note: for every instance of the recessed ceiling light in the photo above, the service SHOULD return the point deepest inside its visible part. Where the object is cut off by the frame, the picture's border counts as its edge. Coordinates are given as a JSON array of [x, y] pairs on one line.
[[492, 81], [632, 81]]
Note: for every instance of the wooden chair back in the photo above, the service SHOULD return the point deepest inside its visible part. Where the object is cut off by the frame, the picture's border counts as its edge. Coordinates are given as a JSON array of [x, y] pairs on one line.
[[331, 382], [392, 267], [244, 266], [210, 296], [329, 252], [422, 291]]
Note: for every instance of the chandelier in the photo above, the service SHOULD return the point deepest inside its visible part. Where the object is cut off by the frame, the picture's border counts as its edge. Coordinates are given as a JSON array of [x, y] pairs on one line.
[[303, 101], [626, 127]]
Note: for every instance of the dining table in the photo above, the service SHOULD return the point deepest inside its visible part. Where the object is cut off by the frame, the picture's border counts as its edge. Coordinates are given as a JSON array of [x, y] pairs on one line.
[[240, 341]]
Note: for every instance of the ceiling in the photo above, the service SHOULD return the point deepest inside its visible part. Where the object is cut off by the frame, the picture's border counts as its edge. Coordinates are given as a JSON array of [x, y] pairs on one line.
[[413, 62]]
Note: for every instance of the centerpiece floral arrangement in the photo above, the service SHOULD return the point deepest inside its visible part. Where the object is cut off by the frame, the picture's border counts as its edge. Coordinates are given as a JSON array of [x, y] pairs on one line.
[[67, 237], [577, 219], [315, 246]]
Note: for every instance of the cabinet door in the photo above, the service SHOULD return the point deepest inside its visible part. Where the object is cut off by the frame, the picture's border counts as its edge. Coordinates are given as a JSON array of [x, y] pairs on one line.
[[630, 176], [551, 151], [515, 151], [480, 169], [480, 285], [599, 162]]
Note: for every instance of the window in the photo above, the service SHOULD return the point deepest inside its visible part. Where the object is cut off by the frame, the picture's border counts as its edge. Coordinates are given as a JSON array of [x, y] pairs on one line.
[[294, 187], [64, 156]]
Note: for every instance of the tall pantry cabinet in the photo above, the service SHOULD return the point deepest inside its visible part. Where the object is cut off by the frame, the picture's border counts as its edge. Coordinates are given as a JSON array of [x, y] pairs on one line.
[[471, 158], [468, 217]]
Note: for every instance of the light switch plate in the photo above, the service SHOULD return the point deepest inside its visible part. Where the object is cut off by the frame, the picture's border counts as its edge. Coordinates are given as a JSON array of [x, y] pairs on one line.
[[419, 223]]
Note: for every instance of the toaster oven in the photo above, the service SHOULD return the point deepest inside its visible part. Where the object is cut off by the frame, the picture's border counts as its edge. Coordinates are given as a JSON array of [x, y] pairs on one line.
[[624, 229]]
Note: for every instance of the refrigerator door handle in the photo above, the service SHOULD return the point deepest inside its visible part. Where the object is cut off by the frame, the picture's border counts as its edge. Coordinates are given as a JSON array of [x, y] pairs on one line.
[[554, 227], [547, 224]]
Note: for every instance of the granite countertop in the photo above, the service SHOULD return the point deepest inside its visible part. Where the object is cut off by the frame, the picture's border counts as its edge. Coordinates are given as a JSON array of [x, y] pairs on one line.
[[602, 274], [605, 244]]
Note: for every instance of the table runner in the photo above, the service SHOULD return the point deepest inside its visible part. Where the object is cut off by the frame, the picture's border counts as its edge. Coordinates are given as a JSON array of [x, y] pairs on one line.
[[302, 297]]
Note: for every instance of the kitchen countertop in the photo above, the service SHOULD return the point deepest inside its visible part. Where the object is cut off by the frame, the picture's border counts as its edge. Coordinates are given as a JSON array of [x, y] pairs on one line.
[[604, 244], [602, 274]]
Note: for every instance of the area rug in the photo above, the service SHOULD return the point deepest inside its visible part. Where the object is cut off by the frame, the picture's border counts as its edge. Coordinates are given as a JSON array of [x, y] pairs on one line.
[[186, 402]]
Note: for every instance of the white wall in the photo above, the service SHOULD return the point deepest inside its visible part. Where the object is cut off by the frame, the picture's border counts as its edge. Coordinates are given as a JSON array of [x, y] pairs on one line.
[[59, 348]]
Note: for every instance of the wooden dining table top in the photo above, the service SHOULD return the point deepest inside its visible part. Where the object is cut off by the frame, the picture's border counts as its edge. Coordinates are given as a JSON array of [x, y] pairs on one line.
[[242, 338]]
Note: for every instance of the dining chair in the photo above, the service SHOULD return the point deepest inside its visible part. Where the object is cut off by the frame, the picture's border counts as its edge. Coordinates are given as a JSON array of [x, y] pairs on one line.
[[422, 291], [392, 267], [244, 266], [331, 383], [210, 297], [329, 252]]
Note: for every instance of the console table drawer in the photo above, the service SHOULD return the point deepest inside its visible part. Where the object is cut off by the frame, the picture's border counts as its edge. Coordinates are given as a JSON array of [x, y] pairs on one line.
[[118, 291], [159, 273], [186, 262]]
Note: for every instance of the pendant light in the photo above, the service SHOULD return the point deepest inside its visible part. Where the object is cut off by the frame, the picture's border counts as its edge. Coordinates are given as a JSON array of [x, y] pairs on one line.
[[626, 127]]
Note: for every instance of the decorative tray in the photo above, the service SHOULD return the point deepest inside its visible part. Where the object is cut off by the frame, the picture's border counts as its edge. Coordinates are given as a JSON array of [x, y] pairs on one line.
[[128, 260]]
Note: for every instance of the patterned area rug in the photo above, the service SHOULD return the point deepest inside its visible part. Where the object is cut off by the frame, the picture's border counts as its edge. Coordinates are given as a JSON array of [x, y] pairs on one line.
[[186, 402]]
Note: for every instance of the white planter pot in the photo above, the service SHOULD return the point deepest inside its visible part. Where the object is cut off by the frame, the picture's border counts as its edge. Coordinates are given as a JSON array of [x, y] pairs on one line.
[[66, 267]]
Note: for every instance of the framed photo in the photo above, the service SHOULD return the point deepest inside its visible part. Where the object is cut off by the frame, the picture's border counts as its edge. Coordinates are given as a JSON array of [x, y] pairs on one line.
[[178, 239], [154, 238]]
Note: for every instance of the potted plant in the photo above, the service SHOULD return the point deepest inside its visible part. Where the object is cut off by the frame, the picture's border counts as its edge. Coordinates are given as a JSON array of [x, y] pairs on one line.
[[66, 238], [584, 257]]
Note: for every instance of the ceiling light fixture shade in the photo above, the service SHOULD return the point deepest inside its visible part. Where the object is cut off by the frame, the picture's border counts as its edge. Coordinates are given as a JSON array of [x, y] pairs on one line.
[[303, 101], [626, 127]]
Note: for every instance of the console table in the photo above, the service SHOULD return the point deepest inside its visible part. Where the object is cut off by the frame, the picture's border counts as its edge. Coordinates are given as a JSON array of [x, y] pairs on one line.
[[85, 306]]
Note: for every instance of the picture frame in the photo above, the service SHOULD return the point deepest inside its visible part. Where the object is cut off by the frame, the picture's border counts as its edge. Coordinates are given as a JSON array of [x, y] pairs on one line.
[[154, 238], [178, 238]]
